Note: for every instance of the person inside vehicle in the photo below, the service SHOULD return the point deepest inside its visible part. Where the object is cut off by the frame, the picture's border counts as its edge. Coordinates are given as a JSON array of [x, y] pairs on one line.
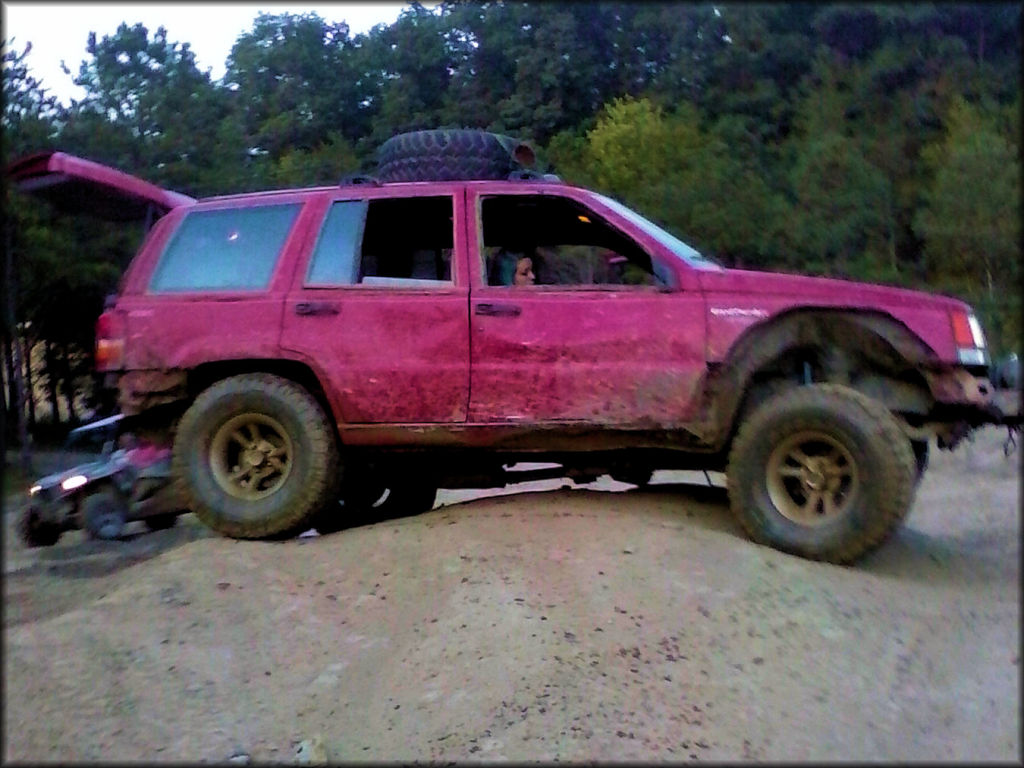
[[513, 267]]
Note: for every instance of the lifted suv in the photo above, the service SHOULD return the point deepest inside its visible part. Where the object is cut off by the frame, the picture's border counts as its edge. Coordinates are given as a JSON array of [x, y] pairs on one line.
[[360, 342]]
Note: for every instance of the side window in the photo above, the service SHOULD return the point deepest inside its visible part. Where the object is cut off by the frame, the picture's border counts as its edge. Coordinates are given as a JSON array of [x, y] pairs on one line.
[[225, 249], [336, 257], [395, 242], [560, 242]]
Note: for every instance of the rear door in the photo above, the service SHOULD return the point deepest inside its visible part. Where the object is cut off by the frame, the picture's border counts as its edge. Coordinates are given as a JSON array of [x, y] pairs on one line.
[[379, 309], [75, 185]]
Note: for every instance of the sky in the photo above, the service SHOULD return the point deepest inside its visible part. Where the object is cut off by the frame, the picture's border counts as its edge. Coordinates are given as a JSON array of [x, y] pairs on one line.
[[60, 30]]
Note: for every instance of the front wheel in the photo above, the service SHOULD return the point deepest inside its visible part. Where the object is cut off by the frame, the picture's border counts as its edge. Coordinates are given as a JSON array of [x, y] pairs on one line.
[[821, 471], [35, 530], [104, 514], [255, 456]]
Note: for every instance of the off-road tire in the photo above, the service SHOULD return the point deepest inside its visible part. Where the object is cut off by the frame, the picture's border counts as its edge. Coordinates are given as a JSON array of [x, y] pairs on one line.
[[294, 426], [864, 437], [36, 532], [641, 478], [450, 155], [920, 449], [104, 514], [371, 501]]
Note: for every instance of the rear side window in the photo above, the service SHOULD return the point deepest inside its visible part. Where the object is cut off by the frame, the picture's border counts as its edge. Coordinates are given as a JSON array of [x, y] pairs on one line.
[[389, 242], [226, 249]]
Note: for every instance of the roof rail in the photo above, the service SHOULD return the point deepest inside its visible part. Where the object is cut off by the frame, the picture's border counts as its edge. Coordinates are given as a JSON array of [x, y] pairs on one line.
[[527, 174], [358, 178]]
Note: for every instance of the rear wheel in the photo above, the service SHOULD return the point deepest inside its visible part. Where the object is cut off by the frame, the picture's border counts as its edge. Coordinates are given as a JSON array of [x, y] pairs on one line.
[[920, 448], [255, 456], [637, 476], [369, 500], [161, 522], [821, 471]]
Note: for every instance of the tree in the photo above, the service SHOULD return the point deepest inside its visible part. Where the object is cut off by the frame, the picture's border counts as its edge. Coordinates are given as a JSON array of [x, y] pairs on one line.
[[970, 219], [150, 105], [294, 79]]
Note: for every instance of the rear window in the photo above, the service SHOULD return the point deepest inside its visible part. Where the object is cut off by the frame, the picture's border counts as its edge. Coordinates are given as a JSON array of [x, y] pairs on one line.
[[226, 249]]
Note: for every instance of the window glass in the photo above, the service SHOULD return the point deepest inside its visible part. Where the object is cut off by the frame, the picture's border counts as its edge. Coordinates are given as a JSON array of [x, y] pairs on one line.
[[336, 258], [690, 255], [227, 249], [408, 242], [550, 240]]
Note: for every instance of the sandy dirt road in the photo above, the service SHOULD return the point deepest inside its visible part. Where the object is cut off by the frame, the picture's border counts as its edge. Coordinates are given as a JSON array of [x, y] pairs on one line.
[[598, 622]]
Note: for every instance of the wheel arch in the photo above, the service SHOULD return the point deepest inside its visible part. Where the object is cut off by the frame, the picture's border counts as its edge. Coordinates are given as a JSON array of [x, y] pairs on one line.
[[871, 352], [157, 410], [299, 372]]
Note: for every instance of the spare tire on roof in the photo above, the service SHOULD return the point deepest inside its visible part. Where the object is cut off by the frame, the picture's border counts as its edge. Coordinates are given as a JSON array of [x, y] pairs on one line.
[[451, 154]]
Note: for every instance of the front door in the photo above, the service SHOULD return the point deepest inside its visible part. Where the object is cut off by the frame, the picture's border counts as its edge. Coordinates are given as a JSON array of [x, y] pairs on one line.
[[379, 308], [605, 335]]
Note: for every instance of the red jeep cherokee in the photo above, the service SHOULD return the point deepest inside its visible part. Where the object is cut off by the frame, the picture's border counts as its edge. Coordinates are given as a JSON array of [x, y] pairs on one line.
[[302, 346]]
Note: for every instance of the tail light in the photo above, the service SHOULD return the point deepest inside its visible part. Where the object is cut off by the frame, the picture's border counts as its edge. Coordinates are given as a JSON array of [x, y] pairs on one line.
[[969, 339], [110, 332]]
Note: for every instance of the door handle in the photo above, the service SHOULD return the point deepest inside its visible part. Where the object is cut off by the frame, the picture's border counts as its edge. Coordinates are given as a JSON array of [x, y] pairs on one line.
[[498, 310], [316, 308]]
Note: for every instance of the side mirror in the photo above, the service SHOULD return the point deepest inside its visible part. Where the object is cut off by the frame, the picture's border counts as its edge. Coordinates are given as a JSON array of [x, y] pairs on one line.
[[108, 447]]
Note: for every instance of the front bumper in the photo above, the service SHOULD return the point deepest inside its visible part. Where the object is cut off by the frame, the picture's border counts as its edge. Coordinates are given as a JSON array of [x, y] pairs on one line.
[[959, 395]]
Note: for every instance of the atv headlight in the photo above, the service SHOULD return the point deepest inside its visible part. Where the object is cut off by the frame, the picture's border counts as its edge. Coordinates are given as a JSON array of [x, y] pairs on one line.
[[75, 481]]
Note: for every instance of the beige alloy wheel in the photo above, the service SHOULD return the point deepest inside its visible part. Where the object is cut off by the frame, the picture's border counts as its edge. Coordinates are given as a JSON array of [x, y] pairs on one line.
[[811, 478], [251, 456]]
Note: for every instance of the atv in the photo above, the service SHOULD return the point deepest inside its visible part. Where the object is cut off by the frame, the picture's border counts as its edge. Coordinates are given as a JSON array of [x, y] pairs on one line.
[[126, 483]]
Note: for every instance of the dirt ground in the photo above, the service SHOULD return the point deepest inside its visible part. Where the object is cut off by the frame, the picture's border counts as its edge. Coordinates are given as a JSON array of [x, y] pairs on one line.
[[545, 622]]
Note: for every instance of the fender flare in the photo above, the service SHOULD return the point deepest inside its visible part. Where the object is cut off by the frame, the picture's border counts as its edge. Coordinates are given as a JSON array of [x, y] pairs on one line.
[[877, 337]]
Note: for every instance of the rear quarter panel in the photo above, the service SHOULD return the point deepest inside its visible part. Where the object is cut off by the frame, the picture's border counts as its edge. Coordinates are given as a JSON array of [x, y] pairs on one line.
[[184, 329]]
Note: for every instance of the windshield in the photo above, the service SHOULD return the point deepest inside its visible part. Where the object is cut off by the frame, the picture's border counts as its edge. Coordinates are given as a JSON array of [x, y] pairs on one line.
[[691, 256]]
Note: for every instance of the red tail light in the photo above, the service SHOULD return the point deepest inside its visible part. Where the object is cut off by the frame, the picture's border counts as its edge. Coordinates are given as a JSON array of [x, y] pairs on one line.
[[110, 341]]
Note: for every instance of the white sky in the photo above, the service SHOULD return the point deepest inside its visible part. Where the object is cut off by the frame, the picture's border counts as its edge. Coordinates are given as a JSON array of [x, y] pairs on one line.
[[60, 30]]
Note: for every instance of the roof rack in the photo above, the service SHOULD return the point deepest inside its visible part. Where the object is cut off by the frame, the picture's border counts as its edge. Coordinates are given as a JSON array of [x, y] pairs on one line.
[[358, 178], [528, 174]]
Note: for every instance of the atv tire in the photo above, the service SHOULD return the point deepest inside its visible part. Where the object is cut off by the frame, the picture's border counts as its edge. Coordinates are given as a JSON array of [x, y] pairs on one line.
[[34, 531], [821, 471], [104, 514], [451, 155], [255, 457]]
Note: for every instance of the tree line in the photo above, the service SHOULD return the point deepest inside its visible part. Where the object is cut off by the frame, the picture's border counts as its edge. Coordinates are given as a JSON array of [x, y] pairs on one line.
[[875, 142]]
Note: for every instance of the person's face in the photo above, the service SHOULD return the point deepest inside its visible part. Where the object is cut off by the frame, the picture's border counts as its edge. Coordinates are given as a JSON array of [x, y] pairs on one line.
[[524, 271]]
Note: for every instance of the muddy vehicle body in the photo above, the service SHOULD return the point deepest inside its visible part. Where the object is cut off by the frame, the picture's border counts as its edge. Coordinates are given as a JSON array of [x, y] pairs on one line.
[[301, 346], [102, 496]]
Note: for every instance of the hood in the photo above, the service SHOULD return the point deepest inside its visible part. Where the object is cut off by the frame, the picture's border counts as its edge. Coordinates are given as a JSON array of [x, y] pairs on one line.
[[831, 291]]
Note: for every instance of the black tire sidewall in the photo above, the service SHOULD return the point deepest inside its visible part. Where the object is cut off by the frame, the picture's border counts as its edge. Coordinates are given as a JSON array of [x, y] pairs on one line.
[[35, 531]]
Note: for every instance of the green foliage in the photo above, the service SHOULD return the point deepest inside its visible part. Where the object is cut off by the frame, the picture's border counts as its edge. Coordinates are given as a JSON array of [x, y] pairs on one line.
[[970, 217]]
